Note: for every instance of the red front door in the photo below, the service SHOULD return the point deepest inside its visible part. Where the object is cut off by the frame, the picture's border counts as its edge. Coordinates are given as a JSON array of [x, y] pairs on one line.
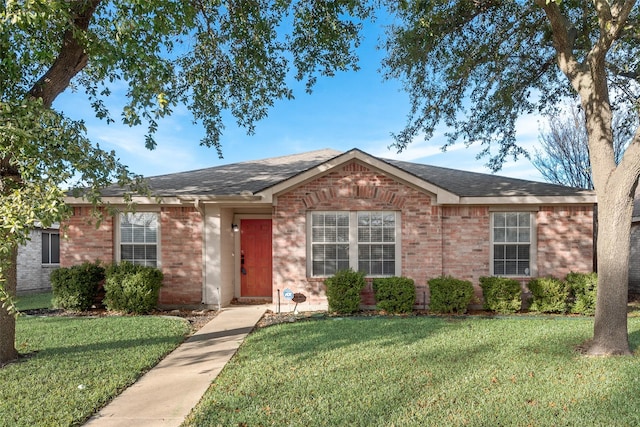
[[255, 257]]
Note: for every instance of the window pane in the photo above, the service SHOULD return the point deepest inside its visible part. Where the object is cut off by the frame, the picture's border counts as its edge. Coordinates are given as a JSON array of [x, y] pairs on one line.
[[343, 234], [510, 268], [512, 219], [330, 235], [523, 268], [317, 234], [126, 253], [389, 268], [499, 235], [389, 235], [330, 220], [512, 234], [317, 220], [523, 235], [45, 248], [126, 234], [523, 252], [363, 219], [498, 252], [389, 252], [376, 252], [376, 234], [498, 268], [318, 268], [317, 253], [524, 219], [364, 234], [55, 248], [343, 220], [499, 220], [511, 251], [330, 252], [389, 220], [376, 268], [138, 234], [364, 252]]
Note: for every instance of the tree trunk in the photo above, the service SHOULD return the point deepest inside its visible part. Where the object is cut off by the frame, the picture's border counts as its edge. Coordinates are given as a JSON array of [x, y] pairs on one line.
[[8, 350], [610, 335], [71, 59]]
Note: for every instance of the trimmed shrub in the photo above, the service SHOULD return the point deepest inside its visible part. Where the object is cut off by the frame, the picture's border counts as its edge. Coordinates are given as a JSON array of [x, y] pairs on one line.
[[75, 288], [343, 291], [395, 294], [132, 288], [549, 295], [449, 295], [501, 294], [583, 288]]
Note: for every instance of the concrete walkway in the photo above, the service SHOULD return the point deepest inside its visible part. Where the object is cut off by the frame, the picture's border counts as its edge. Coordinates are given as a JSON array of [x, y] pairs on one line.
[[165, 395]]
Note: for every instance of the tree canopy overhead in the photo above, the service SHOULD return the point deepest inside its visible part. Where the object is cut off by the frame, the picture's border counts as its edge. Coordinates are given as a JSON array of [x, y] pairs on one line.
[[477, 65]]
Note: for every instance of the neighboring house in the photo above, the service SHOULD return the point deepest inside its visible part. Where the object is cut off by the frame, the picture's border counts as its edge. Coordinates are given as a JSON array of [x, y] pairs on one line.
[[250, 230], [634, 259], [37, 259]]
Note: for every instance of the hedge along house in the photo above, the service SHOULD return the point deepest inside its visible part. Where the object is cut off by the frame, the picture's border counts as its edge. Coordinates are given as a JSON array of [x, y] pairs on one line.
[[250, 230]]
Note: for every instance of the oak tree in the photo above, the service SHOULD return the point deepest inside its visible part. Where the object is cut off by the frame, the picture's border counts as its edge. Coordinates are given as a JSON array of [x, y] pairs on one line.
[[477, 65], [214, 56]]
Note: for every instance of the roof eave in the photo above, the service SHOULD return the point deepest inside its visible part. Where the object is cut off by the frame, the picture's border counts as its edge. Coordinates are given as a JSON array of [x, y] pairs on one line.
[[585, 199], [172, 200]]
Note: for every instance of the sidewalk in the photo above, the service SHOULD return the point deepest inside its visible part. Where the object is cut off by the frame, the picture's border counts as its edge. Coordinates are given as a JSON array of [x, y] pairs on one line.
[[165, 395]]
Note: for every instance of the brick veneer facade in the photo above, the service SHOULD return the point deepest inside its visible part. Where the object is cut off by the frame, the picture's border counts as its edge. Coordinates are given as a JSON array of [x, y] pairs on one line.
[[180, 249], [436, 240]]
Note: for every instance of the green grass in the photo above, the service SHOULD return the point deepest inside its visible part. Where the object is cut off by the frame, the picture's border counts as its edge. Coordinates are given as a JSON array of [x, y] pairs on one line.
[[34, 301], [424, 371], [76, 365]]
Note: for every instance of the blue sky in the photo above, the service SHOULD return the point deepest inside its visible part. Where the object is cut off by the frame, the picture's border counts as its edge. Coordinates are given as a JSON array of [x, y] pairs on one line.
[[350, 110]]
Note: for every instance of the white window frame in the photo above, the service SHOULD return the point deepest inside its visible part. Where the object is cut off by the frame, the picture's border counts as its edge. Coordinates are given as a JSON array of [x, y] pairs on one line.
[[118, 239], [532, 243], [353, 240], [49, 233]]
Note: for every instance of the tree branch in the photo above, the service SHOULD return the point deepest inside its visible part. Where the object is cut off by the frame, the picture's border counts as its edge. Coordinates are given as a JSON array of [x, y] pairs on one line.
[[72, 57]]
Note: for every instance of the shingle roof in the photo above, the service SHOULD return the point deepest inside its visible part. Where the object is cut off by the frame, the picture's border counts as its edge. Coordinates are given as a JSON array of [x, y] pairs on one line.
[[251, 177], [235, 178], [473, 184]]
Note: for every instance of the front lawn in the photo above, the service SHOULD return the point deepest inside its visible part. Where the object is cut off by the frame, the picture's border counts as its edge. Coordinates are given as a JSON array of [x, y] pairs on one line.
[[34, 301], [75, 365], [424, 371]]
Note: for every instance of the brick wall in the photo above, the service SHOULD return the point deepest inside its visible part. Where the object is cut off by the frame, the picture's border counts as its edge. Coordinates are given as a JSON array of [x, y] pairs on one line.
[[435, 240], [81, 240], [33, 276], [466, 249], [180, 249], [181, 255], [353, 187], [565, 240]]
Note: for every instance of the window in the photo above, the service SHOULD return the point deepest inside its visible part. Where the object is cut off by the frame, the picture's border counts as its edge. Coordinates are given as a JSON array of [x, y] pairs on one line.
[[376, 243], [139, 238], [512, 243], [364, 241], [329, 242], [50, 247]]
